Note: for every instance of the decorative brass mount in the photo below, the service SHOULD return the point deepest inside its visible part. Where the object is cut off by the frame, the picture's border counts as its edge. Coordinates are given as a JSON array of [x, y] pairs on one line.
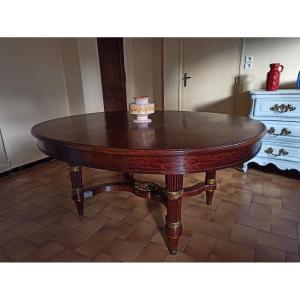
[[77, 193], [146, 186], [75, 168], [174, 225], [282, 108], [174, 195], [281, 152], [284, 131], [211, 181]]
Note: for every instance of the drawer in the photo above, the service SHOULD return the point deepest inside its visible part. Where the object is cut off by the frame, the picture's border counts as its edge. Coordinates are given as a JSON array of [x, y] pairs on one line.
[[282, 131], [277, 107], [279, 151]]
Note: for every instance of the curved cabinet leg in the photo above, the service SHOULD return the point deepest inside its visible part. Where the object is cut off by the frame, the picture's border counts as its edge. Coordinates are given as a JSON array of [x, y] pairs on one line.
[[210, 179], [245, 167], [174, 192], [77, 188]]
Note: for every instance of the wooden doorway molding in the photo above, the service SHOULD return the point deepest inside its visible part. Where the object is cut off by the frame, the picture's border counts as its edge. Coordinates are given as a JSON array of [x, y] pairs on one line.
[[111, 60]]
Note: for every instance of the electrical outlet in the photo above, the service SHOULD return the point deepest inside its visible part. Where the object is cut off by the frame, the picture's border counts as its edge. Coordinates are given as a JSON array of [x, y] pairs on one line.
[[248, 65]]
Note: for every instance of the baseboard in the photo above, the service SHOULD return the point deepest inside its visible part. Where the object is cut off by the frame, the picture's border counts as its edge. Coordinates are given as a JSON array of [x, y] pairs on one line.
[[4, 167], [23, 167]]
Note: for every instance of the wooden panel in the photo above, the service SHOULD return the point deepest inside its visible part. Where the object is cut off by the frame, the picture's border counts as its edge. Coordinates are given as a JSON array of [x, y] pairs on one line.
[[111, 59]]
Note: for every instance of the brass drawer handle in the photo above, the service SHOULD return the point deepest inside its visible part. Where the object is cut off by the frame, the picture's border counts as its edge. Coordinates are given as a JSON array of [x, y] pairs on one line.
[[281, 152], [282, 108], [284, 131]]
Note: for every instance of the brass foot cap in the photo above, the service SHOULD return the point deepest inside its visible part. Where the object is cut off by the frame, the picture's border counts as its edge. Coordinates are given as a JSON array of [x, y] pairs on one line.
[[173, 252]]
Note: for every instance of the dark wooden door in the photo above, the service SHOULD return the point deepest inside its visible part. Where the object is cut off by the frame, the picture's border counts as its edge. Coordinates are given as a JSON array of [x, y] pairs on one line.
[[111, 58]]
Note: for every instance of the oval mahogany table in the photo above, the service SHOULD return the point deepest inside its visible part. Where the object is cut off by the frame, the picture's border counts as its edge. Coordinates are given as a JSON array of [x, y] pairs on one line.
[[174, 144]]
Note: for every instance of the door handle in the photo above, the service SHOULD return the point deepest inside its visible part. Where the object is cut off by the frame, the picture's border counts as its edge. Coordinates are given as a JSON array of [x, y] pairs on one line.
[[284, 131], [185, 79], [281, 152]]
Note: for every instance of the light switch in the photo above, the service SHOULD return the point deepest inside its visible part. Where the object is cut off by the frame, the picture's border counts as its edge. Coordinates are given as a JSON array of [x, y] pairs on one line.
[[248, 62], [249, 59]]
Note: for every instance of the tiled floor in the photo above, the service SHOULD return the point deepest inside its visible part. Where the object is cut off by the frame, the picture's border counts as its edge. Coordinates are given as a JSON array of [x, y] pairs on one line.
[[254, 217]]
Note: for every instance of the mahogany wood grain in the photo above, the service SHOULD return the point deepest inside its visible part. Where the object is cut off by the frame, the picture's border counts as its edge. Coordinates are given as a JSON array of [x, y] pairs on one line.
[[112, 70], [174, 191], [210, 180], [174, 144], [77, 187]]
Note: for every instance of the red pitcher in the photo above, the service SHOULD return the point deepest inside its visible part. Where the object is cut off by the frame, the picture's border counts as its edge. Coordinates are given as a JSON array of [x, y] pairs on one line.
[[273, 77]]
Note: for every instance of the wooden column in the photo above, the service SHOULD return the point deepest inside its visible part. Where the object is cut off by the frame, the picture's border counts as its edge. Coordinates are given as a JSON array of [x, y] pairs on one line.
[[210, 179], [77, 188], [174, 191]]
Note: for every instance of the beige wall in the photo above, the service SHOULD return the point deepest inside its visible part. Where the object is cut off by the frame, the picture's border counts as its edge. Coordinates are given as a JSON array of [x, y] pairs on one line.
[[90, 74], [42, 79], [32, 89], [73, 75], [143, 67], [82, 74], [4, 164], [265, 51]]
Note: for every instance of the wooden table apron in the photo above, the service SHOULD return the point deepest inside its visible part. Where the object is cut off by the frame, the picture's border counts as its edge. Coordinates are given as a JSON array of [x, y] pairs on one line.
[[174, 144]]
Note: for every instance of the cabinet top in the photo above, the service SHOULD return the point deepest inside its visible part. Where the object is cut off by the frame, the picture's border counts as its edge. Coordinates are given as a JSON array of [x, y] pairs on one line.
[[278, 92]]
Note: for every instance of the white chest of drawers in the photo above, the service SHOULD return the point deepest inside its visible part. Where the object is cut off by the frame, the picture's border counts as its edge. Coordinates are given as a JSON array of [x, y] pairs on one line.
[[280, 112]]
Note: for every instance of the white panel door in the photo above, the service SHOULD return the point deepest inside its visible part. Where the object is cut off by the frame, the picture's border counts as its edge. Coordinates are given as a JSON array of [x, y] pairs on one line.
[[213, 65]]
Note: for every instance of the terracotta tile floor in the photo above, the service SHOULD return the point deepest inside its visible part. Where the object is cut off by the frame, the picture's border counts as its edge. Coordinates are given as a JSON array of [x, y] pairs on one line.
[[254, 217]]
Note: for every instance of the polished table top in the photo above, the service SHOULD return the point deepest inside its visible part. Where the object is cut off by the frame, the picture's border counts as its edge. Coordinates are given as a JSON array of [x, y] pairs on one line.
[[177, 142], [168, 130]]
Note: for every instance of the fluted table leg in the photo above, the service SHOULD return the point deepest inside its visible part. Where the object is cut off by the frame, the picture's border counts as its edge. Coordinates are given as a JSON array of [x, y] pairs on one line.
[[77, 188], [128, 177], [210, 179], [174, 192]]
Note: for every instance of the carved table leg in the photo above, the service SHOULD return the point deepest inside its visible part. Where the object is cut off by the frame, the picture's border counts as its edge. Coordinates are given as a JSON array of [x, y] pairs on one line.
[[174, 191], [128, 177], [77, 188], [210, 179]]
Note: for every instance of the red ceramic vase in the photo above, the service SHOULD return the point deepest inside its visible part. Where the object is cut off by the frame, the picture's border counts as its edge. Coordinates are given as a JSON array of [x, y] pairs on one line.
[[273, 77]]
